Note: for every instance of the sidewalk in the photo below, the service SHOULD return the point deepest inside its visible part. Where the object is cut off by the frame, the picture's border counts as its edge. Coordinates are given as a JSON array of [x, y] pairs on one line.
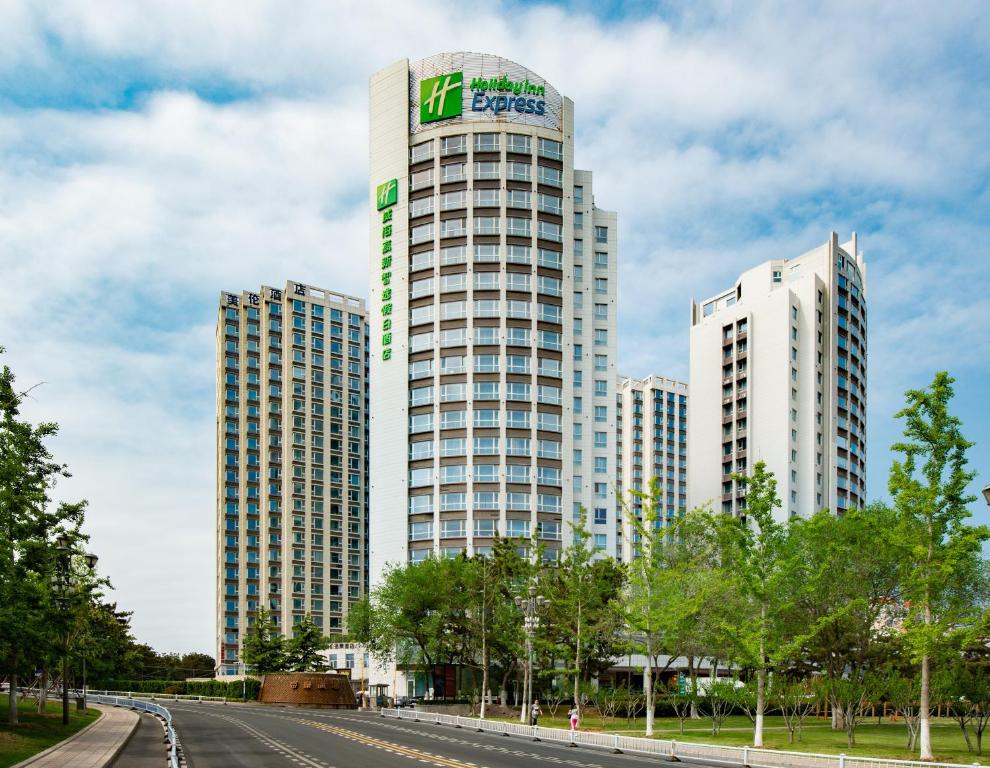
[[93, 747]]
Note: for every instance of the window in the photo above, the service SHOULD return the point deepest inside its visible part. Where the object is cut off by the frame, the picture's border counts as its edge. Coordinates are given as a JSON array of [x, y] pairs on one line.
[[518, 143], [421, 234], [551, 149], [421, 396], [601, 388], [486, 142], [453, 392], [578, 195], [453, 337], [517, 419], [452, 420], [486, 418], [450, 201], [601, 337], [421, 369], [486, 473], [601, 413], [517, 528], [486, 334], [454, 282], [452, 502], [453, 473], [517, 198], [517, 364], [551, 176], [518, 337], [486, 390], [601, 260], [420, 477], [452, 364], [601, 285], [453, 446], [601, 439], [420, 152], [601, 234], [485, 528], [452, 172], [486, 364], [516, 171], [517, 446], [486, 446], [452, 145], [601, 464], [419, 504], [601, 516], [601, 362], [517, 473], [601, 541], [420, 531]]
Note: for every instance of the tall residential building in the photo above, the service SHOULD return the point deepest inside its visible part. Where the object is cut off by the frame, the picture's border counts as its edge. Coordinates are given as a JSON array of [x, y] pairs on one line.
[[778, 374], [292, 505], [651, 444], [493, 314]]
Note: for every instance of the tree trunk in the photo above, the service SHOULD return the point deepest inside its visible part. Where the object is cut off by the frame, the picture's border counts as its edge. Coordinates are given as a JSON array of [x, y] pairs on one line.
[[693, 676], [648, 688], [924, 723], [761, 692], [850, 718], [12, 701]]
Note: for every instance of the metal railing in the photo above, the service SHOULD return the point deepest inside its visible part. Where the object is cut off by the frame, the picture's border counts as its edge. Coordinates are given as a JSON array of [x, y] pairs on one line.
[[144, 706], [673, 750], [156, 696]]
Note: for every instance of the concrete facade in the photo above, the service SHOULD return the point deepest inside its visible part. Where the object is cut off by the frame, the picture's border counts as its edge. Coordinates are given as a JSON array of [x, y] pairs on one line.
[[291, 421], [492, 306], [778, 374]]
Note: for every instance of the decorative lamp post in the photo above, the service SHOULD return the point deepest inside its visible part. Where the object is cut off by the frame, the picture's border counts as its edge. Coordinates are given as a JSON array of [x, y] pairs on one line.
[[529, 605], [66, 579]]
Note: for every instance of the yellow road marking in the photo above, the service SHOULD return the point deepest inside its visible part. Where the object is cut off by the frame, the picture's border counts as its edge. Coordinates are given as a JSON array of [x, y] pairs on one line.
[[390, 746]]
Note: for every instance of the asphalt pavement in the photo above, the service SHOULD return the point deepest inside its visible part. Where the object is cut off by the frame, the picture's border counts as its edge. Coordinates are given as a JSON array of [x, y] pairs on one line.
[[260, 736]]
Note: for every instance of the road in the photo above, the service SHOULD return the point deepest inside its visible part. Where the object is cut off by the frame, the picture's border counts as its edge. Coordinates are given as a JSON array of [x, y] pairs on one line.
[[256, 736]]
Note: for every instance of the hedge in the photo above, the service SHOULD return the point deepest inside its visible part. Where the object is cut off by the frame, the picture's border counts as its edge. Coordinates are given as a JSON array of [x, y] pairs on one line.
[[227, 689]]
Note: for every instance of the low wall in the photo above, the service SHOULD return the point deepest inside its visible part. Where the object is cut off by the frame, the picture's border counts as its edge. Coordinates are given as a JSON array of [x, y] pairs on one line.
[[308, 689]]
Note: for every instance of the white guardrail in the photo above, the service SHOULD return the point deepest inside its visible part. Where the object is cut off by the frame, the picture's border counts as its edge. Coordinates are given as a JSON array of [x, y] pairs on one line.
[[155, 696], [665, 748], [144, 706]]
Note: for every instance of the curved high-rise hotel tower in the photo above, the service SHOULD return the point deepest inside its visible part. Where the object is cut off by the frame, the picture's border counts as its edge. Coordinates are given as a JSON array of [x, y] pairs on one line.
[[492, 314]]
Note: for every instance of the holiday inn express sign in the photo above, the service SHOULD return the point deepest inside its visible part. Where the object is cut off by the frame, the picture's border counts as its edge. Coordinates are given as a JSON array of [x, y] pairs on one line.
[[469, 86]]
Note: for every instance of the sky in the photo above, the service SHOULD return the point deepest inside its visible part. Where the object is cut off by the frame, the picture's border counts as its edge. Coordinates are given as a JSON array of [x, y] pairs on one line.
[[153, 154]]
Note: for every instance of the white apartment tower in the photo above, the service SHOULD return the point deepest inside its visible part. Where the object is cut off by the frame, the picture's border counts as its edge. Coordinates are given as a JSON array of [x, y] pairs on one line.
[[492, 311], [291, 421], [778, 374], [651, 444]]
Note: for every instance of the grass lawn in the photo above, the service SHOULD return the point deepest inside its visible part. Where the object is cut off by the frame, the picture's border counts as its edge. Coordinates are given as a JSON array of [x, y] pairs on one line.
[[37, 732], [888, 739]]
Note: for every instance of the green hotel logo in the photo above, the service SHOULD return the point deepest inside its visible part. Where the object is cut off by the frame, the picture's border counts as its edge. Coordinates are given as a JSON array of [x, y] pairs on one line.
[[441, 97], [387, 194]]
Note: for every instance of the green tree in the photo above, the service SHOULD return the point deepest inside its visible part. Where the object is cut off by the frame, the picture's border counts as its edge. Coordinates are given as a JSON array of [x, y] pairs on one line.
[[760, 567], [671, 606], [264, 647], [419, 607], [944, 565], [28, 526], [846, 578], [303, 651], [583, 616]]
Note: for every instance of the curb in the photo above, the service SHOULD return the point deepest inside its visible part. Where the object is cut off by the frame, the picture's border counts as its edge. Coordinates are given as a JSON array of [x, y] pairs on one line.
[[76, 735]]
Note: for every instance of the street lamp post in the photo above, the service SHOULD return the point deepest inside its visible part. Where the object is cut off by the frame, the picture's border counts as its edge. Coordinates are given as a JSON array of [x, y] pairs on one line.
[[529, 606], [986, 493], [65, 580]]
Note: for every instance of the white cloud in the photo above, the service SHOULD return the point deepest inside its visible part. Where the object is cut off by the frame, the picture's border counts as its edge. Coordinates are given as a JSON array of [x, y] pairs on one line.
[[724, 136]]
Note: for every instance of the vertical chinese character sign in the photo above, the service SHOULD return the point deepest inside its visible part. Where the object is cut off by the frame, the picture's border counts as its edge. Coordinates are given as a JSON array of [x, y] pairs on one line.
[[386, 196]]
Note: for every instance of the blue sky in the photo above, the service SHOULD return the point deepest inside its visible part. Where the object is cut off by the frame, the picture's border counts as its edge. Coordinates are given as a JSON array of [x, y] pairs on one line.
[[153, 154]]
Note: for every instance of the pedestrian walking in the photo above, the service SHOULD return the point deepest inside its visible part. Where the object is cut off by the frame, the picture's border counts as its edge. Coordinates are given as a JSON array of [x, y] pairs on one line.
[[535, 712], [573, 716]]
